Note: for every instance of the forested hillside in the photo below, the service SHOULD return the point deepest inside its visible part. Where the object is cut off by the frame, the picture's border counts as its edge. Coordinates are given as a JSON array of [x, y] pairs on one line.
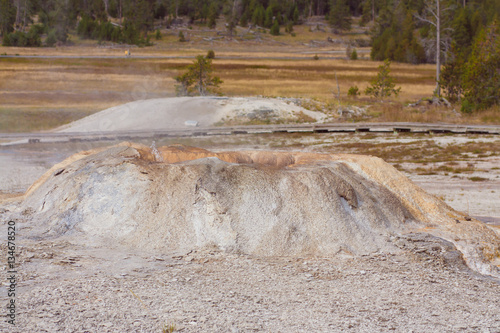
[[403, 31]]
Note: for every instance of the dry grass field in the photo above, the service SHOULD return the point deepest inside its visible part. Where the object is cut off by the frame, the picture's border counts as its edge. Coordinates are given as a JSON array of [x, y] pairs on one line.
[[72, 88], [66, 83]]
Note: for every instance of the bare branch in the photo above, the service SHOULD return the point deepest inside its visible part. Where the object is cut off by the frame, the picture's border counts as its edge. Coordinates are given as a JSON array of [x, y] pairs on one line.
[[432, 12], [424, 19]]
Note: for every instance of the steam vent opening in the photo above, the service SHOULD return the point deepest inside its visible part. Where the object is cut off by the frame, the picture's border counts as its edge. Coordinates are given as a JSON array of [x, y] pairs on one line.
[[178, 198]]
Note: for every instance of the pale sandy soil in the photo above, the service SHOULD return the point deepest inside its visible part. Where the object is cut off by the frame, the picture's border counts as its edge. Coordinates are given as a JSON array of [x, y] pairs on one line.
[[476, 198], [74, 288]]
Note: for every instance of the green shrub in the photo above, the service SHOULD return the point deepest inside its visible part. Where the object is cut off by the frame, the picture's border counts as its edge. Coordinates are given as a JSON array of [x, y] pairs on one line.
[[6, 40], [158, 34], [61, 34], [210, 54], [87, 27], [478, 179], [353, 91], [182, 39], [51, 38], [316, 57], [130, 35], [354, 55], [106, 31], [21, 39], [116, 36], [18, 38], [38, 28]]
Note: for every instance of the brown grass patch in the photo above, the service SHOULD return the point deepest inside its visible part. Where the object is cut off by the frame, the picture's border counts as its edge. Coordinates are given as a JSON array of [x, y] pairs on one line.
[[478, 179], [396, 112], [12, 120], [89, 84], [421, 151]]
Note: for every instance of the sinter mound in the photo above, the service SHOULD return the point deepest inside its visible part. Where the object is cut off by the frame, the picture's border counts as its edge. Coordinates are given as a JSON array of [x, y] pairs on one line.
[[265, 203], [165, 113]]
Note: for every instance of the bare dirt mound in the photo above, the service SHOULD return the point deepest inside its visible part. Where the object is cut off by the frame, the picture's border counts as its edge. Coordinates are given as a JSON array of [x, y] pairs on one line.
[[254, 202], [167, 113]]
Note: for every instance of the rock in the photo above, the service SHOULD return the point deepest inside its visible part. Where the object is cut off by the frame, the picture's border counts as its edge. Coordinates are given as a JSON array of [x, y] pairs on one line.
[[351, 111], [432, 101], [252, 202]]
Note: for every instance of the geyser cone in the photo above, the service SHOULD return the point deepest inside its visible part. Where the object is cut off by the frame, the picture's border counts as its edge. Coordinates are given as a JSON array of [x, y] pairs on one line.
[[255, 202]]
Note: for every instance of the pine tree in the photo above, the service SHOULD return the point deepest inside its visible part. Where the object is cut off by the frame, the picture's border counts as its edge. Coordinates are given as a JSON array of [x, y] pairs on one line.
[[142, 16], [7, 17], [258, 15], [453, 71], [354, 55], [296, 15], [212, 15], [462, 33], [185, 81], [198, 79], [481, 76], [383, 85], [340, 16], [275, 29], [268, 21], [244, 19], [451, 78]]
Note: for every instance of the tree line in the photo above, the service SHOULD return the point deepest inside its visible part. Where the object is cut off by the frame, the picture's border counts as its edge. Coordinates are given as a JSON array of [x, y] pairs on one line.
[[400, 30]]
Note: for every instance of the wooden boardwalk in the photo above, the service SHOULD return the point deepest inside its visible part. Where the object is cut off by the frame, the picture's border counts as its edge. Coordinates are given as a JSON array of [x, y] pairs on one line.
[[254, 129]]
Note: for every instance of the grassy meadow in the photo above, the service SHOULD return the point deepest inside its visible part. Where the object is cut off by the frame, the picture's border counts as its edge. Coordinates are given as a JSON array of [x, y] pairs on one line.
[[43, 93]]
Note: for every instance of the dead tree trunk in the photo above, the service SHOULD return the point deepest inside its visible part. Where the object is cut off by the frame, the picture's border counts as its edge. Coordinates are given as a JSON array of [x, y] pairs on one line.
[[373, 10], [106, 6], [18, 14], [438, 48], [25, 13], [120, 11], [433, 17]]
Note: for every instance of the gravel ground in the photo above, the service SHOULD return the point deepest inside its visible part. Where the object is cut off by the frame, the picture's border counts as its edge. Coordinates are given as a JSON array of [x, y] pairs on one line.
[[115, 289], [65, 286]]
